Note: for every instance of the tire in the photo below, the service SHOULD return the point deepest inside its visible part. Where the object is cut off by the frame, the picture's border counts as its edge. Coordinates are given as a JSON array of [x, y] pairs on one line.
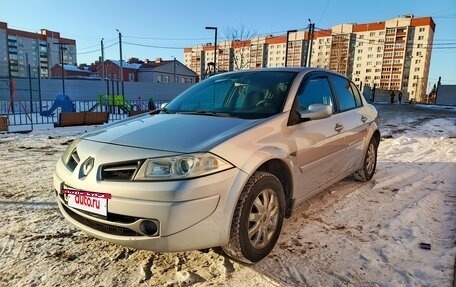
[[264, 224], [369, 162]]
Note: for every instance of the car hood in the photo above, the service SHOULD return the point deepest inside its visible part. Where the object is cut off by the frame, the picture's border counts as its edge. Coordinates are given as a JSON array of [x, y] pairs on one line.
[[171, 132]]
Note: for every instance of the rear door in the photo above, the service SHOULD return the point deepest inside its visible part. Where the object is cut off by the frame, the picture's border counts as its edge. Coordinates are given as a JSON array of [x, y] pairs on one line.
[[353, 122]]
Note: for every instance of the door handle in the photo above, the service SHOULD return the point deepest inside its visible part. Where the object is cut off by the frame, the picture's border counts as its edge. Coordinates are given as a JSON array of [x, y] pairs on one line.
[[338, 128], [363, 119]]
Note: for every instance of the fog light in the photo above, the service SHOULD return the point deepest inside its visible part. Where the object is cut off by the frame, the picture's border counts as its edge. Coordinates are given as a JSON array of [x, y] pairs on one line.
[[148, 227]]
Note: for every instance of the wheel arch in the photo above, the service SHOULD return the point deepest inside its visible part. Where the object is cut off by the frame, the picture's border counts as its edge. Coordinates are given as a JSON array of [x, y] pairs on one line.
[[281, 170]]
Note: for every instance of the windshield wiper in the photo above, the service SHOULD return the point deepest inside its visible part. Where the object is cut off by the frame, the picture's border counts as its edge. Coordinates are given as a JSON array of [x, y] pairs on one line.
[[205, 113], [157, 111]]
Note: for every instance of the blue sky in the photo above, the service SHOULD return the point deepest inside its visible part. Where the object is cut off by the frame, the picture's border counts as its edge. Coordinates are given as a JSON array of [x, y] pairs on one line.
[[178, 24]]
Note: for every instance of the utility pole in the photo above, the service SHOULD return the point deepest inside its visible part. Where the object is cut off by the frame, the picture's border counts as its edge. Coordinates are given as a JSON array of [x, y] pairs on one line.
[[311, 36], [61, 47], [121, 64], [103, 74], [286, 45]]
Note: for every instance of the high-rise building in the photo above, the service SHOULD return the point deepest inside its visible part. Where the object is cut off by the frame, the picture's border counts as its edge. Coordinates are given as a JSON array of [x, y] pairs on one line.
[[390, 55], [40, 50]]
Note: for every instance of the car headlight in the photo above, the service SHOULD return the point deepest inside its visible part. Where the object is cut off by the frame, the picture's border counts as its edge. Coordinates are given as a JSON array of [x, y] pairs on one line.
[[182, 166], [69, 150]]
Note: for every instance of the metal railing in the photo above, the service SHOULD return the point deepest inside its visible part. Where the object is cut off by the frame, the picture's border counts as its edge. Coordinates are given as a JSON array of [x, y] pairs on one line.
[[28, 113]]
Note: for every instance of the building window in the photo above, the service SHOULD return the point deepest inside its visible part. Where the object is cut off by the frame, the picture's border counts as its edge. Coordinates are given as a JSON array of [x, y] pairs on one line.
[[421, 29], [131, 77], [371, 34], [420, 37]]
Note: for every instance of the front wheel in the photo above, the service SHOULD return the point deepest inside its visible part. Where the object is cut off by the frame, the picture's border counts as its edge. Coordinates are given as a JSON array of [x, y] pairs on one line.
[[369, 164], [258, 219]]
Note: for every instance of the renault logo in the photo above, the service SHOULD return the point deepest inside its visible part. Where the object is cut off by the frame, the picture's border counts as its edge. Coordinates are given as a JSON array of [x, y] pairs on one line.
[[87, 166]]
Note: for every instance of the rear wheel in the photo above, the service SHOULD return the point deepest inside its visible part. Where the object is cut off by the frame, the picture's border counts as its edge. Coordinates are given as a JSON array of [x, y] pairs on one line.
[[369, 164], [258, 219]]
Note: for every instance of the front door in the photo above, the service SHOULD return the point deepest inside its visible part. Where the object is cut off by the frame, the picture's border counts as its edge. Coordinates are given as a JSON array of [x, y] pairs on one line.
[[320, 143]]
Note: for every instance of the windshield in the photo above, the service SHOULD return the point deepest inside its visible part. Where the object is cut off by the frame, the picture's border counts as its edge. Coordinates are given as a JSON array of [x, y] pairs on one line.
[[255, 94]]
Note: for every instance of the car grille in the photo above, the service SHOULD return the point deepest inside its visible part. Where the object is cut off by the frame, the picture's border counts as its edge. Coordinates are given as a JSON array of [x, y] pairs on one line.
[[122, 171], [106, 228]]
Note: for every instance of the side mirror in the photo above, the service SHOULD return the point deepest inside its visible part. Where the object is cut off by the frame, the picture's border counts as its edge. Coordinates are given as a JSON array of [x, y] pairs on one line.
[[316, 112]]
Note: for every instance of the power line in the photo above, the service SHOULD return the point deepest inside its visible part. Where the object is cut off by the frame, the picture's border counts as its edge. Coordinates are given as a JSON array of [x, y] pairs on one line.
[[97, 50], [166, 39], [154, 46]]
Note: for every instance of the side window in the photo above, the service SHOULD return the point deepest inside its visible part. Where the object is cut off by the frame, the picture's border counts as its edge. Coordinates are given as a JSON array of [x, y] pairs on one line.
[[344, 93], [315, 91], [357, 95]]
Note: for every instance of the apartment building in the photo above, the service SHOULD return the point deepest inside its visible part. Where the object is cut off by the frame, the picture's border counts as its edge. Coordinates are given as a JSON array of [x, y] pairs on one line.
[[390, 55], [41, 51]]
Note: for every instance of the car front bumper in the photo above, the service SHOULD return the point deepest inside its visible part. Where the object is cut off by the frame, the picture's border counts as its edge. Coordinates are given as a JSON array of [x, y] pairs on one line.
[[190, 214]]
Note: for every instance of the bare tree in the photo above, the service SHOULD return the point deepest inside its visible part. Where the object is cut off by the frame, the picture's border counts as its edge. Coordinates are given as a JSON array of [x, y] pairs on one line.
[[239, 38]]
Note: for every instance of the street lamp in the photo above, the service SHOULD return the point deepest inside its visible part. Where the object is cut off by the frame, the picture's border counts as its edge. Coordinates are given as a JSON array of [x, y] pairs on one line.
[[174, 69], [215, 46], [286, 45]]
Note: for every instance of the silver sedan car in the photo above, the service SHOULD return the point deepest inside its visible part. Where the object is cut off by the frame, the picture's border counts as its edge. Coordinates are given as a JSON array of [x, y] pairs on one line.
[[222, 164]]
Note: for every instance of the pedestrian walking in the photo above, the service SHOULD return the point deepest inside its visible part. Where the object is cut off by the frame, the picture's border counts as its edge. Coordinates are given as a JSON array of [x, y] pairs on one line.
[[399, 97], [151, 104], [392, 95]]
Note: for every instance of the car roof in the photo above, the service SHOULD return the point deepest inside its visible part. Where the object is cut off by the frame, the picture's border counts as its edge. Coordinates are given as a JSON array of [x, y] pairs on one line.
[[287, 69]]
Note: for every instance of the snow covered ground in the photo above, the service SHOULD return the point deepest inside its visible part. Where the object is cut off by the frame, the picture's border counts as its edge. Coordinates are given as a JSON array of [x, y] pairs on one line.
[[353, 234]]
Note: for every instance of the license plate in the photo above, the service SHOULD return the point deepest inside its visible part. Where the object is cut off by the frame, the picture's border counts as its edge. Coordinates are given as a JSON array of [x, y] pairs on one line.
[[88, 201]]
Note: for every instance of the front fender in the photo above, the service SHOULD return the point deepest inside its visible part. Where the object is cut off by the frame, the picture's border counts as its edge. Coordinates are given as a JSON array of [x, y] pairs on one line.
[[258, 159]]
